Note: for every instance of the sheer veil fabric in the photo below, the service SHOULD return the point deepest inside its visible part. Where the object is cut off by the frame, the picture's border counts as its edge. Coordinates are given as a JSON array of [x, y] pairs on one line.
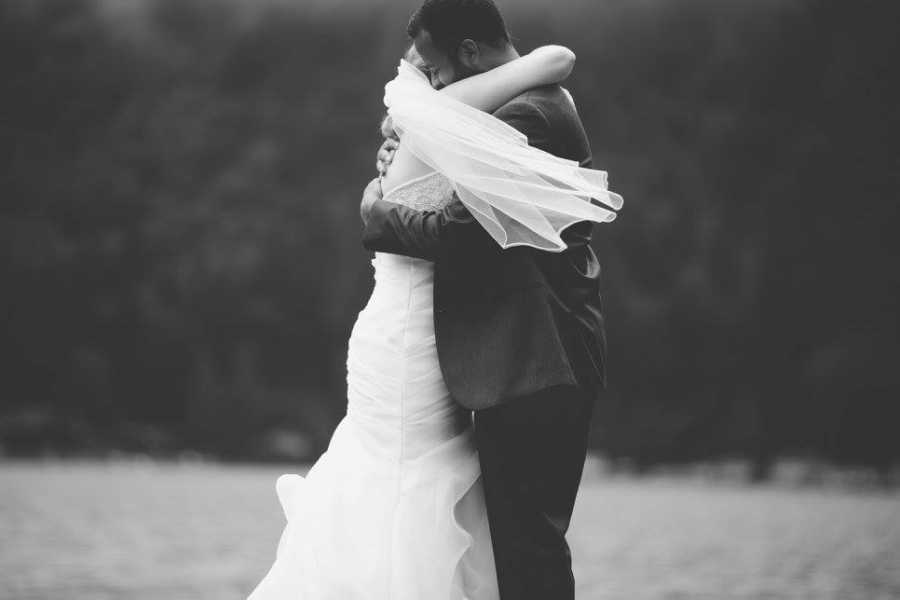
[[521, 195]]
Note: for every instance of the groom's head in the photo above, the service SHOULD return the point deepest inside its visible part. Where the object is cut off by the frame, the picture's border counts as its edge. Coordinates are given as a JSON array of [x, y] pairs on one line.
[[458, 38]]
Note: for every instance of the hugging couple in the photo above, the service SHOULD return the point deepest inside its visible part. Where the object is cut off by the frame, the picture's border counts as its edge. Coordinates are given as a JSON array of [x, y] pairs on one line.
[[473, 368]]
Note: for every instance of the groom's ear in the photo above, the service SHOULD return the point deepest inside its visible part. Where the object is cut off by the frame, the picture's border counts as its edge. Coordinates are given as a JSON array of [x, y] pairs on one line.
[[469, 54]]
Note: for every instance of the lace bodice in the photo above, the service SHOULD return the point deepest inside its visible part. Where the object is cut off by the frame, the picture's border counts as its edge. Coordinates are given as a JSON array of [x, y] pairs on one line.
[[431, 191]]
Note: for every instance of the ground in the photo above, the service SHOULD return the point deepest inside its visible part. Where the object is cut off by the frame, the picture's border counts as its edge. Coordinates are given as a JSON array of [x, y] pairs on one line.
[[143, 530]]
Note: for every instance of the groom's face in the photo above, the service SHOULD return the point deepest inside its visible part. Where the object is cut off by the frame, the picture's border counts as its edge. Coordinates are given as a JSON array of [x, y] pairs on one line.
[[442, 68]]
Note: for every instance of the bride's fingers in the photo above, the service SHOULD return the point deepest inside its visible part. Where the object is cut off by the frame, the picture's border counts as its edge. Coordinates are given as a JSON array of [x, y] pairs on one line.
[[387, 127], [386, 155], [390, 145]]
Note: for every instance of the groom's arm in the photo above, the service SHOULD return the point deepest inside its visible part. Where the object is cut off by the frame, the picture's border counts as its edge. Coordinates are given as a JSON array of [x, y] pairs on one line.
[[397, 229], [430, 234]]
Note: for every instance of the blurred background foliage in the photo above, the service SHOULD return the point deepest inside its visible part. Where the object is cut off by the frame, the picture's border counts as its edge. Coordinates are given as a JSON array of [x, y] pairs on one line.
[[179, 233]]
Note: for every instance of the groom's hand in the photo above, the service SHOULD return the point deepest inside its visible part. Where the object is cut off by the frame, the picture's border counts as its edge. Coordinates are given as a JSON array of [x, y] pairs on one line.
[[371, 194]]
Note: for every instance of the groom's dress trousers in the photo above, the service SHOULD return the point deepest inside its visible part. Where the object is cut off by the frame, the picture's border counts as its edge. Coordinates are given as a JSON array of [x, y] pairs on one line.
[[520, 340]]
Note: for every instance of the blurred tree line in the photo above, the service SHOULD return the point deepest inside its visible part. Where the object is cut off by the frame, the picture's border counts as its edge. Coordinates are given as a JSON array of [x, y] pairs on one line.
[[179, 226]]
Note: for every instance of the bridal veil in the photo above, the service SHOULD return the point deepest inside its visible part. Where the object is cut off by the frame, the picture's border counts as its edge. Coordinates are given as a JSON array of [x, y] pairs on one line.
[[521, 195]]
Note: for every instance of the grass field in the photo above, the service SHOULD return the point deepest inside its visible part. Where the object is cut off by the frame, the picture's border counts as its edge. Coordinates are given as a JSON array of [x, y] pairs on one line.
[[146, 530]]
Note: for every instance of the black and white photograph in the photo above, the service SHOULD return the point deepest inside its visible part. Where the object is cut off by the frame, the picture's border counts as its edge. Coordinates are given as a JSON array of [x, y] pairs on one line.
[[449, 300]]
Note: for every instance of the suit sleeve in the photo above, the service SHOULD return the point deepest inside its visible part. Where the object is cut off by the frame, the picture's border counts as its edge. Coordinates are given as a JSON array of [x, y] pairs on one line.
[[432, 235]]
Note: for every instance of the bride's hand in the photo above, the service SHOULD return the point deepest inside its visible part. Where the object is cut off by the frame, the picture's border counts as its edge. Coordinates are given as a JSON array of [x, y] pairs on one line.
[[386, 155], [387, 128]]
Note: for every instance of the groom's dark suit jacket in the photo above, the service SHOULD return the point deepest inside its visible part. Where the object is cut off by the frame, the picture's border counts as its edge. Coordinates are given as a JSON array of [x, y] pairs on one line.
[[507, 322]]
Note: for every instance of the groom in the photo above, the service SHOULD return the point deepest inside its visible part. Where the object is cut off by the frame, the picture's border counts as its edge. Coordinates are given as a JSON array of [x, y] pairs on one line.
[[519, 332]]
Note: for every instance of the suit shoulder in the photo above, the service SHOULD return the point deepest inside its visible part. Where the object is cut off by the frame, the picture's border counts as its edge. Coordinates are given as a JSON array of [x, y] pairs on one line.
[[566, 136], [538, 97]]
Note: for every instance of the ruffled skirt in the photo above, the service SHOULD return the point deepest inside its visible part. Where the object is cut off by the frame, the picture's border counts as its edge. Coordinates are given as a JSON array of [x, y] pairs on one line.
[[394, 509]]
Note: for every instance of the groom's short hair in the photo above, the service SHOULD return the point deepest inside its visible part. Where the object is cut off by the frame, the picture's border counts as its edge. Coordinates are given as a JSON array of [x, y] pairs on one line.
[[449, 22]]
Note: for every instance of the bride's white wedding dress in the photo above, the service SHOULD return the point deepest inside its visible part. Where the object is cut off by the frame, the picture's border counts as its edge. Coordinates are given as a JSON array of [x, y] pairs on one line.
[[394, 509]]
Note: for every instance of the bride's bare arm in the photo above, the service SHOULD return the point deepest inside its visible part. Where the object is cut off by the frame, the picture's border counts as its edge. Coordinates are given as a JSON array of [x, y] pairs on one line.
[[492, 89]]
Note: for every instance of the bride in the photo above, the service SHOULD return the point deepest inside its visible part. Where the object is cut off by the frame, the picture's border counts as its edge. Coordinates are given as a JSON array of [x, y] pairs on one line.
[[394, 508]]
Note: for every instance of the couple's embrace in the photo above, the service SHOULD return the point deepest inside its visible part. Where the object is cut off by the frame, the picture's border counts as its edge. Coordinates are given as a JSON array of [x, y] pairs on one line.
[[473, 368]]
